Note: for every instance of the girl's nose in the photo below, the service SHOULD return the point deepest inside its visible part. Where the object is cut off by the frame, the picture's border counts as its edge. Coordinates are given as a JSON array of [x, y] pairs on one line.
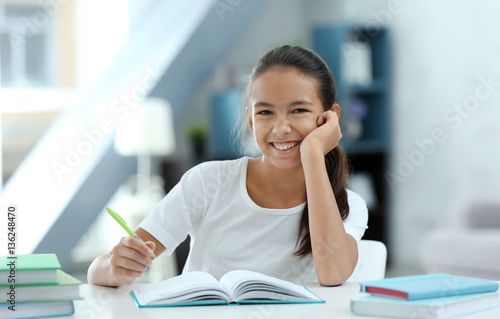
[[281, 126]]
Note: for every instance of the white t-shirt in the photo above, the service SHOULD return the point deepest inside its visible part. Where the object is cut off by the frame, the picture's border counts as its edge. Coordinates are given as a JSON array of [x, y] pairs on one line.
[[229, 231]]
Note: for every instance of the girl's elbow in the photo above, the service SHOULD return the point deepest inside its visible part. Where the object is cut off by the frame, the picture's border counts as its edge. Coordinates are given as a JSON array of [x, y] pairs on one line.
[[331, 281], [332, 278], [334, 275]]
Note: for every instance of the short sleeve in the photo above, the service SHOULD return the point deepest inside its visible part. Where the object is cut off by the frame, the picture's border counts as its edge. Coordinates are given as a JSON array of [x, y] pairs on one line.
[[357, 222], [179, 212]]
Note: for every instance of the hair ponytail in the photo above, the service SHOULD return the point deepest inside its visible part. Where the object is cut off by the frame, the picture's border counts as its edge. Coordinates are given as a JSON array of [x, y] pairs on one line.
[[337, 168]]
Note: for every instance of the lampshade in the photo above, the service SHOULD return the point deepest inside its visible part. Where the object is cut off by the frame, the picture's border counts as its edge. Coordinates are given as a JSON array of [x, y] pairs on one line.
[[149, 130]]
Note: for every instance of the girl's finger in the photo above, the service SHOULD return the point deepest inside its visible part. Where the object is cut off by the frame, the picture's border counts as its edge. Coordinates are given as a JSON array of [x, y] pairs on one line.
[[323, 118], [319, 122]]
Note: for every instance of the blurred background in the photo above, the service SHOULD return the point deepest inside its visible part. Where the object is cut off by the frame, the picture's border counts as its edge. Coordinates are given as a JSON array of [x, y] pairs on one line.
[[108, 103]]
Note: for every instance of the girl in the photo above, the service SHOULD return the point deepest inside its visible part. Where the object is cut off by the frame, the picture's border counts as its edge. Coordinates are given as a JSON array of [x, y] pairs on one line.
[[286, 214]]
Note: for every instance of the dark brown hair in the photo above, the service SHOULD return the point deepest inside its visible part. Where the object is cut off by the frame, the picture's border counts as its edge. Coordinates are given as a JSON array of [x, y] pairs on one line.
[[309, 64]]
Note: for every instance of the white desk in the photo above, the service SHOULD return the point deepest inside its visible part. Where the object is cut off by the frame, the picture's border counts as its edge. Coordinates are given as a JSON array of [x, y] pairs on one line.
[[106, 303]]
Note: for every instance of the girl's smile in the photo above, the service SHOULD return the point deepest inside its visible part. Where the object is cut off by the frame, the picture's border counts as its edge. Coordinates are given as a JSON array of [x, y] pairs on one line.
[[285, 146]]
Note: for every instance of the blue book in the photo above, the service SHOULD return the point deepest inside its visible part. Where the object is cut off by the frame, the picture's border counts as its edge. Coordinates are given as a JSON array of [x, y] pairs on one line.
[[37, 309], [434, 308], [428, 286], [235, 287]]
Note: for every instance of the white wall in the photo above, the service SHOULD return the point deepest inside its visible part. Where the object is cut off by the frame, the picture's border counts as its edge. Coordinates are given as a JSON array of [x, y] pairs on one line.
[[101, 28], [443, 52], [280, 22]]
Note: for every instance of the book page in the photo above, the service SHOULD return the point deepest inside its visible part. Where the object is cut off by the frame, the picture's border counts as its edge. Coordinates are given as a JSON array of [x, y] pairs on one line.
[[245, 284], [190, 287]]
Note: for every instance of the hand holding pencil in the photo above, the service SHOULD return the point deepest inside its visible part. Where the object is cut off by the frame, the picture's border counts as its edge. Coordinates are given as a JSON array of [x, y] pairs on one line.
[[131, 257]]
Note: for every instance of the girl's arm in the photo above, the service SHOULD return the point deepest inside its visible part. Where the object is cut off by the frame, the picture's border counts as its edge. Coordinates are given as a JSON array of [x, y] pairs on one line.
[[335, 252], [127, 261]]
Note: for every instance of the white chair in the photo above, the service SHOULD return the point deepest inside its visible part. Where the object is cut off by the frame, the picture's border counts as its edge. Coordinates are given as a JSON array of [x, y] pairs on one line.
[[469, 245], [372, 258]]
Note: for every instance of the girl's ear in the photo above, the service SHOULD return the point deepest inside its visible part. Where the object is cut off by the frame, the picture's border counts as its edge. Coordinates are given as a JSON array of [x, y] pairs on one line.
[[336, 108], [249, 119]]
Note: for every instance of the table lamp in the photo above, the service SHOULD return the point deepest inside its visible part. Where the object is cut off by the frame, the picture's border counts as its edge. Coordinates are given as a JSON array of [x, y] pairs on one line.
[[148, 132]]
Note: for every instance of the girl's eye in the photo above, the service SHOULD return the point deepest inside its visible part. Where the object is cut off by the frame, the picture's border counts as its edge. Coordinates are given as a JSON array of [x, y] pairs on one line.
[[264, 112], [299, 110]]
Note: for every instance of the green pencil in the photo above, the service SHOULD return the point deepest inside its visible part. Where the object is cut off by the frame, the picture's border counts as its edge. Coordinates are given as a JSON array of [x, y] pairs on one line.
[[124, 225]]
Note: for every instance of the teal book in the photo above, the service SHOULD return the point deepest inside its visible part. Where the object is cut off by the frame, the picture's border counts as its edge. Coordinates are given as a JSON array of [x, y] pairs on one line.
[[235, 287], [67, 288], [434, 308], [29, 269], [428, 286]]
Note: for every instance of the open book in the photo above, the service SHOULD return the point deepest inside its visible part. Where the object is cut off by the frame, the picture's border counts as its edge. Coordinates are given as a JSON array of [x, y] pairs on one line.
[[235, 287]]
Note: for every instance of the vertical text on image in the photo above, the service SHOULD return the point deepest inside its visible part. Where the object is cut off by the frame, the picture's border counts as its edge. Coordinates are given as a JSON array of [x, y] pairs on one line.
[[11, 229], [11, 260]]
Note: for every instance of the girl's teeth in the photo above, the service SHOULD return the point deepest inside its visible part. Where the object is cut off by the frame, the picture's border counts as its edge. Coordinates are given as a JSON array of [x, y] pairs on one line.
[[284, 147]]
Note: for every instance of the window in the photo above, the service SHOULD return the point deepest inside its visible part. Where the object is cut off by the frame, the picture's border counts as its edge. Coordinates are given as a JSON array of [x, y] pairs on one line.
[[27, 35]]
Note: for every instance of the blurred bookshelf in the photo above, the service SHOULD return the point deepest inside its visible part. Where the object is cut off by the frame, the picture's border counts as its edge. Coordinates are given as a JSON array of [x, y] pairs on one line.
[[359, 57], [224, 107]]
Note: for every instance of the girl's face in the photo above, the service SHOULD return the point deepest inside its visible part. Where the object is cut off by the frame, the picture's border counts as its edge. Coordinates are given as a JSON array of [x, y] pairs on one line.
[[284, 107]]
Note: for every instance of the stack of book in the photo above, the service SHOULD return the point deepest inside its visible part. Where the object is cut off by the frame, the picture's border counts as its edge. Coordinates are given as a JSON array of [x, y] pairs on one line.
[[35, 286], [426, 296]]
